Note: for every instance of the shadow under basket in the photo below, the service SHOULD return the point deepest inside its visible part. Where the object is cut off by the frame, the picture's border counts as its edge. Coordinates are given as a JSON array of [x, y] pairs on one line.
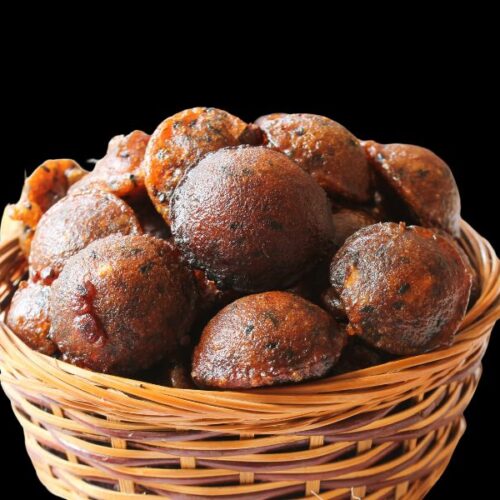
[[387, 431]]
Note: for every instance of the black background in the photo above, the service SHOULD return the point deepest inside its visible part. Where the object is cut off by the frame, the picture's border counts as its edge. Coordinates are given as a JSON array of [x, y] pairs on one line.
[[70, 107]]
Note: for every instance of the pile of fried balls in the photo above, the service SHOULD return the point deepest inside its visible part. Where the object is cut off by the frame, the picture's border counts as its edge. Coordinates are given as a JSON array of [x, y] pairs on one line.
[[226, 255]]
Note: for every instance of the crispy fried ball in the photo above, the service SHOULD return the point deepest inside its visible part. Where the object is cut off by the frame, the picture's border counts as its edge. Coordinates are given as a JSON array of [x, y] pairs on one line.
[[121, 304], [120, 170], [43, 188], [347, 221], [325, 149], [181, 141], [71, 224], [421, 182], [28, 316], [266, 339], [405, 289], [251, 218]]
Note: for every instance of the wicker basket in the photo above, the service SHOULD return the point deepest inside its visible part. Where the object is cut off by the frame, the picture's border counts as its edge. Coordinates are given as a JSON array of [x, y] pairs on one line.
[[383, 432]]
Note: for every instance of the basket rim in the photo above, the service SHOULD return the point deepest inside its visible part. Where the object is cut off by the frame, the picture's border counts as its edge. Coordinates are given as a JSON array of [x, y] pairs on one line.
[[347, 393]]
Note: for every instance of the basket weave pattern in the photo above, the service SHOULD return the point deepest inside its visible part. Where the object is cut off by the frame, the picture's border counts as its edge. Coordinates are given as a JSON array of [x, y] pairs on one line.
[[383, 432]]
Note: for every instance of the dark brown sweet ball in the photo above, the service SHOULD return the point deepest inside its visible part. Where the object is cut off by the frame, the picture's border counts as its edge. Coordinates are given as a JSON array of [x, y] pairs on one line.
[[121, 304], [421, 181], [347, 221], [71, 224], [251, 218], [266, 339], [120, 170], [323, 148], [404, 289], [181, 141], [28, 316], [43, 188]]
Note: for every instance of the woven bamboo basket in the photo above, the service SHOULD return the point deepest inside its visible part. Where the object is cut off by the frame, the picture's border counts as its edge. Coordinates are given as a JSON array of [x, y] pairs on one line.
[[387, 431]]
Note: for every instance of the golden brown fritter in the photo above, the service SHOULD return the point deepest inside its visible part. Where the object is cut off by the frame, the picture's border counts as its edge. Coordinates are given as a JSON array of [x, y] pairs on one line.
[[405, 289], [71, 224], [43, 188], [251, 218], [323, 148], [266, 339], [121, 304], [120, 170], [347, 221], [181, 141], [28, 316], [420, 181]]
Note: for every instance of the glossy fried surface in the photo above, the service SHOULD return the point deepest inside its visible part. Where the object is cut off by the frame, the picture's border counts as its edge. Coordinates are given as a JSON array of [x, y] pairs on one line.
[[181, 141], [120, 170], [251, 218], [43, 188], [71, 224], [28, 316], [121, 304], [323, 148], [405, 289], [266, 339], [347, 221], [421, 180]]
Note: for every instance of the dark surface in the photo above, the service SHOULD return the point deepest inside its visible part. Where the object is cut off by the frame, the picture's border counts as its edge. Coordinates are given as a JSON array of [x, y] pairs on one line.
[[72, 107]]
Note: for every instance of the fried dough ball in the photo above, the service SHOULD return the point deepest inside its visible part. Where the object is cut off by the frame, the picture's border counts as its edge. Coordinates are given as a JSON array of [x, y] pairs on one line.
[[421, 181], [121, 304], [43, 188], [251, 218], [28, 316], [120, 170], [405, 289], [347, 221], [181, 141], [71, 224], [266, 339], [323, 148]]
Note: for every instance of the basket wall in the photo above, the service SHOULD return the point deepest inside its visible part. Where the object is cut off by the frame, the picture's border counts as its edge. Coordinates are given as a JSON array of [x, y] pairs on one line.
[[383, 432]]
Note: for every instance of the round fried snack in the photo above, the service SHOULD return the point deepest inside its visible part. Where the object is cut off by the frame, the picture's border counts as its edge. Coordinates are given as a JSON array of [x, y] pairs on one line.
[[251, 218], [43, 188], [266, 339], [181, 141], [28, 316], [325, 149], [347, 221], [421, 181], [121, 304], [120, 170], [405, 289], [71, 224]]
